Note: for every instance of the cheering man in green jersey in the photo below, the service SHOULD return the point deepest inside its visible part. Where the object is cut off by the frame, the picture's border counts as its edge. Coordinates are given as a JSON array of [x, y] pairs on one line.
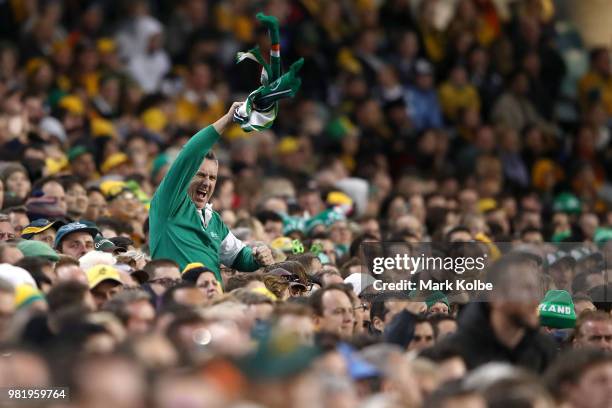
[[183, 225]]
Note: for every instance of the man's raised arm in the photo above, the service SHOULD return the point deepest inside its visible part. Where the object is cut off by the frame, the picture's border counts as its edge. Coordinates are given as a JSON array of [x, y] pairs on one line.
[[174, 186]]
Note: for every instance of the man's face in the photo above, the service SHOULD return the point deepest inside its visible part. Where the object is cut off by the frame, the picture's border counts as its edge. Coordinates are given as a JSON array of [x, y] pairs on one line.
[[423, 337], [594, 388], [104, 291], [273, 229], [203, 184], [164, 277], [77, 244], [311, 202], [209, 285], [125, 206], [371, 227], [47, 236], [96, 207], [340, 233], [338, 314], [55, 190], [6, 231], [517, 295], [362, 314], [84, 166], [562, 273], [19, 221], [141, 316], [439, 308], [76, 200], [595, 334]]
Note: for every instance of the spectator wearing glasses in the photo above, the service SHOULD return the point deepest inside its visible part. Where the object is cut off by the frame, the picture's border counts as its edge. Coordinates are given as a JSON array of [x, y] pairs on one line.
[[163, 274]]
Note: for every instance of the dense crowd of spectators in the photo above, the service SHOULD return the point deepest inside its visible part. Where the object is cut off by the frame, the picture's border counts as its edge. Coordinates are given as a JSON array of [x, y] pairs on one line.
[[433, 121]]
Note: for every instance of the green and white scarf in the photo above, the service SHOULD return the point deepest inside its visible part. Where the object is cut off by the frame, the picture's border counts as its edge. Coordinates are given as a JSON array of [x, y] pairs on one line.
[[261, 106]]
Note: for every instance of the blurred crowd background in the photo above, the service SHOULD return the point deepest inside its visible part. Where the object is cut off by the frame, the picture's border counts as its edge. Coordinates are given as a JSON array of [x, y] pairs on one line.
[[417, 121]]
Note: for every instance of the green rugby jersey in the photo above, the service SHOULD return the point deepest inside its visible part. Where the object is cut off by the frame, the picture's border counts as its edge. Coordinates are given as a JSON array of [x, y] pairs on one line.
[[181, 232]]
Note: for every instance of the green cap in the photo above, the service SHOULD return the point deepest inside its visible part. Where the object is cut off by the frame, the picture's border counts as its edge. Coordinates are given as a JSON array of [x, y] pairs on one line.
[[560, 236], [291, 224], [602, 235], [37, 249], [325, 217], [436, 297], [76, 151], [567, 203], [338, 128], [103, 244], [278, 356], [557, 310]]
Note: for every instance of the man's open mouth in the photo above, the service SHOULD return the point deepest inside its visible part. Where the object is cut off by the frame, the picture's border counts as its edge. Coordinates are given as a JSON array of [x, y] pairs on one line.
[[201, 193]]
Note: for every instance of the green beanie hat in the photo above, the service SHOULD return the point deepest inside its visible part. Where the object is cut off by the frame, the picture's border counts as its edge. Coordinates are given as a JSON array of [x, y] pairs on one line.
[[602, 235], [567, 203], [436, 297], [557, 310]]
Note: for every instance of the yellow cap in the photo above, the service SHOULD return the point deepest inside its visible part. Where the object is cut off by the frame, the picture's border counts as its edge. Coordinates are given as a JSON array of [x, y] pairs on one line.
[[111, 187], [106, 45], [264, 291], [288, 145], [72, 104], [34, 64], [27, 294], [154, 119], [193, 265], [493, 249], [61, 45], [486, 204], [339, 198], [282, 243], [55, 165], [100, 273], [102, 127], [113, 161]]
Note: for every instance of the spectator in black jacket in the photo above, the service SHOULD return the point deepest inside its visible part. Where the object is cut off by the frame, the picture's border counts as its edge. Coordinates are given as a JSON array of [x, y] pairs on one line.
[[504, 327]]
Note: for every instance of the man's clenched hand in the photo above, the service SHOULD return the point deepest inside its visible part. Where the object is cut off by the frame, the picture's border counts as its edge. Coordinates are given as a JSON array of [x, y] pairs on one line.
[[263, 255], [224, 121]]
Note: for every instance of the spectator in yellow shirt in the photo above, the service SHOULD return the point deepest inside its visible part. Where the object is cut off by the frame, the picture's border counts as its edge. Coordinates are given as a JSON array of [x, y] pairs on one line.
[[596, 85], [457, 94]]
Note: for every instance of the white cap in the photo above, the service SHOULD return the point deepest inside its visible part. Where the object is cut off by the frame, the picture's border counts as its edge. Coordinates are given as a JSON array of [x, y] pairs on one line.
[[54, 127], [359, 281], [93, 258], [16, 276]]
